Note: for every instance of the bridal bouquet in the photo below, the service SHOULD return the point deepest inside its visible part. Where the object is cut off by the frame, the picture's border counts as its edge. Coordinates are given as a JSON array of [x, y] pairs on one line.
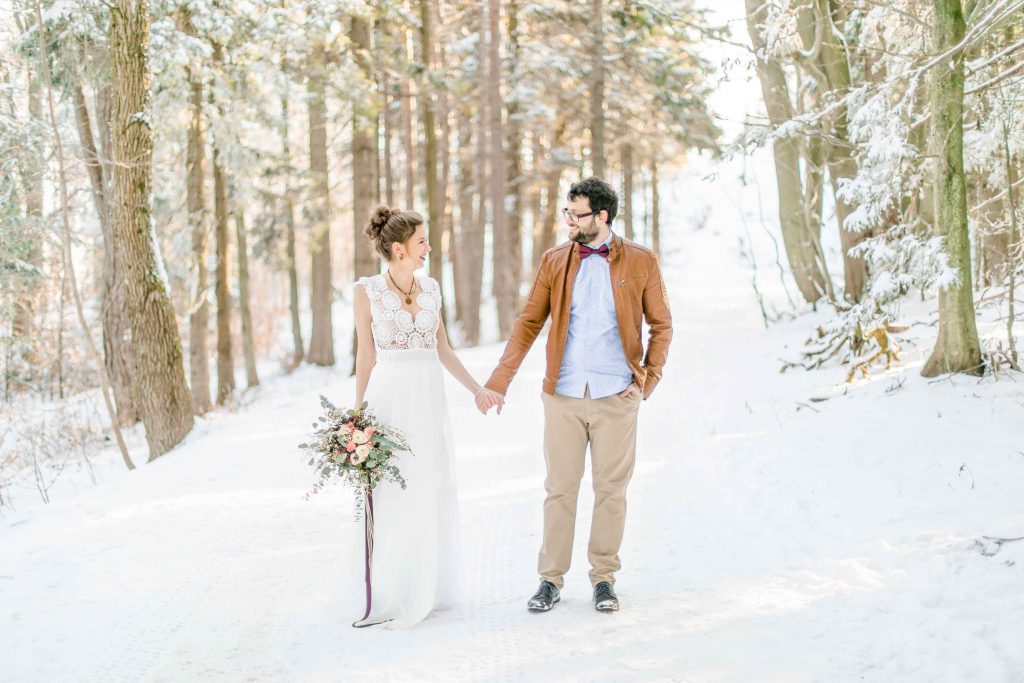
[[355, 447]]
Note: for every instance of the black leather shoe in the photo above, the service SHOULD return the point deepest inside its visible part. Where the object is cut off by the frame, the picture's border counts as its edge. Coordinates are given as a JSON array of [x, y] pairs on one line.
[[545, 597], [605, 599]]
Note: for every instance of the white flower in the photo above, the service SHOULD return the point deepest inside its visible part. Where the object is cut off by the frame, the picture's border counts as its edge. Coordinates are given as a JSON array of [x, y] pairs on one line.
[[359, 436], [359, 457]]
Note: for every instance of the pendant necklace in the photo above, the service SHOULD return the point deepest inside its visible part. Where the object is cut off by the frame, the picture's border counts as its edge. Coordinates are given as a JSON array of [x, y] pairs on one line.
[[408, 295]]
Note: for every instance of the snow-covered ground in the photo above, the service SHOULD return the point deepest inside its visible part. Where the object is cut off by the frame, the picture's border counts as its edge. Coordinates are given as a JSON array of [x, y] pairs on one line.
[[782, 527]]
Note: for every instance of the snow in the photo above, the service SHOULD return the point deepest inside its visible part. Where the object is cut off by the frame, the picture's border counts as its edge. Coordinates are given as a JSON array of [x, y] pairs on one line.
[[781, 526]]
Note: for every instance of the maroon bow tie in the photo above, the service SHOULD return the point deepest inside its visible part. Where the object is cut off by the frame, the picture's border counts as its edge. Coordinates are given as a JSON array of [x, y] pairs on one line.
[[586, 251]]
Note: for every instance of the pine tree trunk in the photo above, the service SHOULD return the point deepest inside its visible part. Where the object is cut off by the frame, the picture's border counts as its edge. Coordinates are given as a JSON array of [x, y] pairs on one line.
[[225, 355], [163, 396], [655, 211], [467, 227], [288, 208], [536, 202], [298, 347], [408, 143], [550, 222], [473, 262], [435, 227], [841, 164], [801, 241], [515, 199], [627, 190], [252, 379], [389, 130], [199, 319], [957, 348], [595, 43], [321, 343], [116, 353], [501, 239], [363, 161]]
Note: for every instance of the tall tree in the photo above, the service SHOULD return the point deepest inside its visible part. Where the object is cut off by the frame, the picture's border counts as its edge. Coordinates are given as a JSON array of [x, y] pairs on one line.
[[164, 399], [504, 284], [516, 180], [596, 87], [627, 189], [222, 287], [195, 165], [655, 210], [117, 353], [321, 343], [957, 348], [288, 208], [435, 227], [802, 240], [364, 160], [833, 53], [549, 225], [252, 378]]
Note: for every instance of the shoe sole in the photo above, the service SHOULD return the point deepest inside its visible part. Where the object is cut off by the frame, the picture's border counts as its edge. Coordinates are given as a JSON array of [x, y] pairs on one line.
[[612, 607], [544, 609]]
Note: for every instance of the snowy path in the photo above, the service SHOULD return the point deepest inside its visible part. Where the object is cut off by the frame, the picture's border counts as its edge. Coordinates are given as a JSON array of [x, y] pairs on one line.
[[767, 540]]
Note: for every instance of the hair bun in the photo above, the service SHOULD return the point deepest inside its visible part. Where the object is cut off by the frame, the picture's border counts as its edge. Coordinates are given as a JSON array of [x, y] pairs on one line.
[[378, 219]]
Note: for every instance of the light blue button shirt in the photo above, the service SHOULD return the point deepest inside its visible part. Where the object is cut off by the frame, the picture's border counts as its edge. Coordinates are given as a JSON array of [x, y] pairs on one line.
[[593, 350]]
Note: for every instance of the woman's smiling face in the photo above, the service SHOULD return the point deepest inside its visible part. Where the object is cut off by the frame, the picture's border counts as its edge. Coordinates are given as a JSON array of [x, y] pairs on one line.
[[416, 247]]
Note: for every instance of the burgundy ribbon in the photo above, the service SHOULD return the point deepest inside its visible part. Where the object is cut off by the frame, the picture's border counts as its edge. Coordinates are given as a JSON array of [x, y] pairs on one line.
[[368, 547]]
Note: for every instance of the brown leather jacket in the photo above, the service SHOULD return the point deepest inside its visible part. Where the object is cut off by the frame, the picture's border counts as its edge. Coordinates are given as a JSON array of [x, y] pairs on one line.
[[638, 291]]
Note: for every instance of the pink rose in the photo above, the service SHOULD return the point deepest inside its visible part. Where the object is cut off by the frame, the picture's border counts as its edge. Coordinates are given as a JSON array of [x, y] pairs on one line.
[[351, 446], [368, 431]]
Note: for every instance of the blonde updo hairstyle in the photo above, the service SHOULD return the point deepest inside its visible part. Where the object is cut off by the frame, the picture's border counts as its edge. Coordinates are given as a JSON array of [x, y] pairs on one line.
[[388, 225]]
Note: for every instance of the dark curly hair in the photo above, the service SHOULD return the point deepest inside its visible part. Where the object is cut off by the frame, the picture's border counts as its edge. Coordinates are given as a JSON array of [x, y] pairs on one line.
[[388, 226], [600, 194]]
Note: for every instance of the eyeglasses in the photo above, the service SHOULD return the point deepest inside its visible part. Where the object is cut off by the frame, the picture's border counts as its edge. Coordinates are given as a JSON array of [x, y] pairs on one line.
[[575, 217]]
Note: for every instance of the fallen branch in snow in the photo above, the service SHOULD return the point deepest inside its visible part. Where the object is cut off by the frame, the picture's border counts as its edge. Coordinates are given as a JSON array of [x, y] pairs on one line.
[[855, 346]]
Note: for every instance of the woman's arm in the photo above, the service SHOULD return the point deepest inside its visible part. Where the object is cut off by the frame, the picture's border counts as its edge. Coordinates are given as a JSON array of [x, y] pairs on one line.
[[366, 352], [452, 363]]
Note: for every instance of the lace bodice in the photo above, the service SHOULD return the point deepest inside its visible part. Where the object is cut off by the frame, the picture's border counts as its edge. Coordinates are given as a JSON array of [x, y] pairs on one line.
[[395, 328]]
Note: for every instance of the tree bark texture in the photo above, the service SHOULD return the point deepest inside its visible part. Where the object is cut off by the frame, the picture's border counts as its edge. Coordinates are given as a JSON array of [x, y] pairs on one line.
[[504, 284], [222, 288], [252, 378], [164, 400], [321, 343], [288, 208], [957, 348], [199, 317], [595, 42], [435, 227]]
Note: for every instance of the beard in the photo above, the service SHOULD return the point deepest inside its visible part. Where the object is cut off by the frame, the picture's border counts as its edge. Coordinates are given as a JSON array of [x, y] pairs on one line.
[[586, 235]]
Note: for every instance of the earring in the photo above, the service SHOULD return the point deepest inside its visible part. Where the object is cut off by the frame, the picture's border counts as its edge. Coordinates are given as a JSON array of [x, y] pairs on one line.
[[401, 257]]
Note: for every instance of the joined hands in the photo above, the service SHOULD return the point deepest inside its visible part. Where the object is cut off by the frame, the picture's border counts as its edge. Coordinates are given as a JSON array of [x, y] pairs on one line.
[[487, 399]]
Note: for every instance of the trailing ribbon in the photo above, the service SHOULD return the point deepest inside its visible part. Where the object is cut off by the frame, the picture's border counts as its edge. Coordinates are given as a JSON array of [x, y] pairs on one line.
[[368, 546]]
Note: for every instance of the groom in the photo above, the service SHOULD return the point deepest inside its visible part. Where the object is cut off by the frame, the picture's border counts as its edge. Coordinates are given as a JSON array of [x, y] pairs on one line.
[[596, 288]]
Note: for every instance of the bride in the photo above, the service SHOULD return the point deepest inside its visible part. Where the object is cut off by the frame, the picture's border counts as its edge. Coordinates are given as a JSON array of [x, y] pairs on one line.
[[401, 347]]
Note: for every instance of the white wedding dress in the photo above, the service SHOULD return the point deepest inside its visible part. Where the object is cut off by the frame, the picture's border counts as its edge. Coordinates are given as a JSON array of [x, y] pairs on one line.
[[414, 570]]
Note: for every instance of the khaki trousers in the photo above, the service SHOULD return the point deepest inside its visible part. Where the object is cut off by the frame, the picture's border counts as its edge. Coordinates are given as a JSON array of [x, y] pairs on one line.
[[608, 425]]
